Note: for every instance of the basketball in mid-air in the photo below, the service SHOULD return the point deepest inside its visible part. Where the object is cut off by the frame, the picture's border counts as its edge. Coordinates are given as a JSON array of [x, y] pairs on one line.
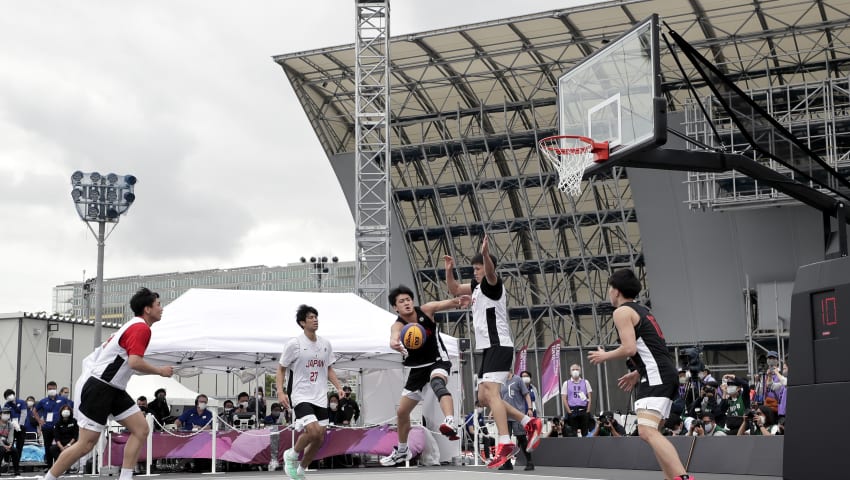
[[413, 336]]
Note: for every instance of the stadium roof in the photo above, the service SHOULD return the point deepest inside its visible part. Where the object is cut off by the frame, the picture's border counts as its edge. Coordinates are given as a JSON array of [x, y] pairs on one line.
[[509, 67]]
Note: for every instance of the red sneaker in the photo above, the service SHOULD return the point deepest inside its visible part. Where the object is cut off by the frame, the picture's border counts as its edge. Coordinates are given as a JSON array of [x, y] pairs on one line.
[[533, 429], [504, 452], [449, 431]]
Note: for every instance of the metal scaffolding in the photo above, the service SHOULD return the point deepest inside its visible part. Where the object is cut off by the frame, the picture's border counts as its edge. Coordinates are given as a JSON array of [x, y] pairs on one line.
[[371, 127]]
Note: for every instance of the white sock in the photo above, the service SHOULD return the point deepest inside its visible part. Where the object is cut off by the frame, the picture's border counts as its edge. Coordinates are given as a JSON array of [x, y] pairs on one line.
[[49, 476], [450, 420], [504, 439], [402, 447], [525, 420], [300, 469], [126, 474]]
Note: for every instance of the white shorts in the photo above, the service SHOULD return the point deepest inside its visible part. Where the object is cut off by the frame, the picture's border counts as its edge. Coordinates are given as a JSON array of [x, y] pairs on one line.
[[495, 377], [659, 405]]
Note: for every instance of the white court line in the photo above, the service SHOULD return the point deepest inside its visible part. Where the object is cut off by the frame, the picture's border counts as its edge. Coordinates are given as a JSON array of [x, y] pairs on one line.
[[490, 472]]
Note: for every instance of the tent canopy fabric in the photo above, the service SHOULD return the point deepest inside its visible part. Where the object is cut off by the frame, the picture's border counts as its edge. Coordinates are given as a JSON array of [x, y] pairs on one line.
[[175, 392], [232, 330]]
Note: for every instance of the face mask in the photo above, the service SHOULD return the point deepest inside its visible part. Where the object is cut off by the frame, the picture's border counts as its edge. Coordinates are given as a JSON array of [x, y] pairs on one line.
[[683, 380], [709, 427], [732, 389], [202, 406], [66, 413], [701, 375], [161, 396], [575, 373], [243, 404], [5, 417], [526, 380], [51, 393], [11, 397], [275, 414], [333, 406], [30, 404], [228, 410], [772, 362]]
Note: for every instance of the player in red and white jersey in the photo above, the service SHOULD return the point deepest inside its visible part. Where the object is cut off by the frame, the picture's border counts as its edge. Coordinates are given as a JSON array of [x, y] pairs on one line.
[[309, 358], [101, 389]]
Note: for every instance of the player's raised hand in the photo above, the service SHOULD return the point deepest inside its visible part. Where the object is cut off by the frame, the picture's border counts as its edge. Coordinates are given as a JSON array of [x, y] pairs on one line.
[[485, 247], [450, 262]]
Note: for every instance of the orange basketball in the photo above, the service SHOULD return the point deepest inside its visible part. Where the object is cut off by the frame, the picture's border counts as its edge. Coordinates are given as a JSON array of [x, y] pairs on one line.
[[413, 336]]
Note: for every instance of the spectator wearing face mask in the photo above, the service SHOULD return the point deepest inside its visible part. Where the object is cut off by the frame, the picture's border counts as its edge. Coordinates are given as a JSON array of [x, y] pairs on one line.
[[18, 416], [762, 421], [735, 402], [335, 415], [532, 390], [241, 406], [705, 376], [348, 405], [31, 424], [771, 389], [577, 397], [7, 439], [783, 379], [160, 409], [198, 418], [275, 417], [66, 432], [48, 412], [705, 426]]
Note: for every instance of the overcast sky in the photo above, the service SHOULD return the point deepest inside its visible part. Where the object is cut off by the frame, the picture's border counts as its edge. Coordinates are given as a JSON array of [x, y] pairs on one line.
[[184, 95]]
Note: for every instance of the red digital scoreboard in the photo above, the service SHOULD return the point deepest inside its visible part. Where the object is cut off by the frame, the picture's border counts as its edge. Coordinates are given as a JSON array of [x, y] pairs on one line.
[[825, 314]]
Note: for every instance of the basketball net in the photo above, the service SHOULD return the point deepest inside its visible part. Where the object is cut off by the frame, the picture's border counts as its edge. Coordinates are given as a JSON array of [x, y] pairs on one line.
[[571, 155]]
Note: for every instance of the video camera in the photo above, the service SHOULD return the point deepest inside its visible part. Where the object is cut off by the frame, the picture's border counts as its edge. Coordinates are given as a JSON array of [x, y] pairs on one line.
[[689, 359]]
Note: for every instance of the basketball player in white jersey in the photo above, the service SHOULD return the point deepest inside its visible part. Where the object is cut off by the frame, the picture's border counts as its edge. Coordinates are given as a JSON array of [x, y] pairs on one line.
[[653, 370], [309, 357], [101, 389], [493, 336]]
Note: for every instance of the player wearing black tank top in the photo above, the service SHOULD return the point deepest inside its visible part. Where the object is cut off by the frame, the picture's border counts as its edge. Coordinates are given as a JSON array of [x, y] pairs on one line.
[[653, 369], [429, 364]]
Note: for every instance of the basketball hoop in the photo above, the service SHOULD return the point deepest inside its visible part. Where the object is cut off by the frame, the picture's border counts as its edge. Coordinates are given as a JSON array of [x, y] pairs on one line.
[[571, 155]]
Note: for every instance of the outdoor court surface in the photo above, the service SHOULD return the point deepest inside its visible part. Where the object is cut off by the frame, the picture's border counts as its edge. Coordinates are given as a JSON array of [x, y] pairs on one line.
[[449, 473]]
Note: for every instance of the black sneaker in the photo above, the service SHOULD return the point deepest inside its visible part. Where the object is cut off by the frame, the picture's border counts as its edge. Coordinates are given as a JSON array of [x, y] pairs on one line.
[[507, 466], [529, 466]]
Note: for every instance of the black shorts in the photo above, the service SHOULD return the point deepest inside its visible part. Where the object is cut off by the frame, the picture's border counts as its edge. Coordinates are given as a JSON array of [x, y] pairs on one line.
[[419, 377], [99, 400], [496, 359], [664, 390], [310, 413]]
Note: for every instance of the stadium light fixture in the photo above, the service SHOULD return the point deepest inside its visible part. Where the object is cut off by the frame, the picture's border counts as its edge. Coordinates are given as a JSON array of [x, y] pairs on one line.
[[101, 199]]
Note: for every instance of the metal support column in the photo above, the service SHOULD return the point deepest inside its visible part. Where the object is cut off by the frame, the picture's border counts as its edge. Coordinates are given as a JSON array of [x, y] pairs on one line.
[[372, 150]]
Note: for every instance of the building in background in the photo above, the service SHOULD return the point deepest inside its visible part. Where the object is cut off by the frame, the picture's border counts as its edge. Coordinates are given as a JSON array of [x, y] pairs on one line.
[[469, 103], [314, 274]]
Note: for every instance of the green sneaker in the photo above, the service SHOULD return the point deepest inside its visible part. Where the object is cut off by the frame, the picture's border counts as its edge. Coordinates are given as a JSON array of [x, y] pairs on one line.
[[290, 460]]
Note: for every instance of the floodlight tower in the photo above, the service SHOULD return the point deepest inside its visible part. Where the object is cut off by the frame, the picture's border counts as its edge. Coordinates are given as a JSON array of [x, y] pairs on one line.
[[372, 149], [101, 199]]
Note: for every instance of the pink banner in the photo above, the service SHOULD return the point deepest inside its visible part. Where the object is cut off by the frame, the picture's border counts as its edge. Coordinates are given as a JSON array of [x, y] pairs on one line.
[[550, 376], [521, 362], [254, 446]]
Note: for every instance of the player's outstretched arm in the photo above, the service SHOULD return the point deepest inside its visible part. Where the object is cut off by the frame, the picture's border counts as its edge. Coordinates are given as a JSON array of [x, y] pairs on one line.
[[452, 284], [489, 268], [395, 337], [431, 308]]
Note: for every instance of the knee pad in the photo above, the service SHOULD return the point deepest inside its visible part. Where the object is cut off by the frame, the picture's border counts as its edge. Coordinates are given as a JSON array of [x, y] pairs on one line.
[[439, 387]]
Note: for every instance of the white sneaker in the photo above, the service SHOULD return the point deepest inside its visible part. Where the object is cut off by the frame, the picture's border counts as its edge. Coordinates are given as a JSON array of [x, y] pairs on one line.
[[396, 457]]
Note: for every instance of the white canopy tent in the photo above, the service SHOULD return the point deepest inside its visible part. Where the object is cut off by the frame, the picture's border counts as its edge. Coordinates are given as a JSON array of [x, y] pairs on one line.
[[176, 392], [245, 331]]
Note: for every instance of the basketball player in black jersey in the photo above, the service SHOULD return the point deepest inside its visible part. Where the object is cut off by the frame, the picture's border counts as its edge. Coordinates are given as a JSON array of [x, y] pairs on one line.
[[652, 368], [428, 364]]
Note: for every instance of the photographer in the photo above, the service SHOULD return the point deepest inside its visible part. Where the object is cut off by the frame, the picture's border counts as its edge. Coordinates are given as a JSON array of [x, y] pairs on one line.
[[706, 403], [607, 426], [673, 426], [705, 427], [761, 421]]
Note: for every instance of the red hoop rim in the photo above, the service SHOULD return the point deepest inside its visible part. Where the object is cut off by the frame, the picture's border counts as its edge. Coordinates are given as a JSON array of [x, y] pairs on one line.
[[600, 149]]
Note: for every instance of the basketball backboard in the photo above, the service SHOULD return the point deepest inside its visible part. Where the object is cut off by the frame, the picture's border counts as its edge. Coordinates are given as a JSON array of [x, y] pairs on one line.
[[614, 95]]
